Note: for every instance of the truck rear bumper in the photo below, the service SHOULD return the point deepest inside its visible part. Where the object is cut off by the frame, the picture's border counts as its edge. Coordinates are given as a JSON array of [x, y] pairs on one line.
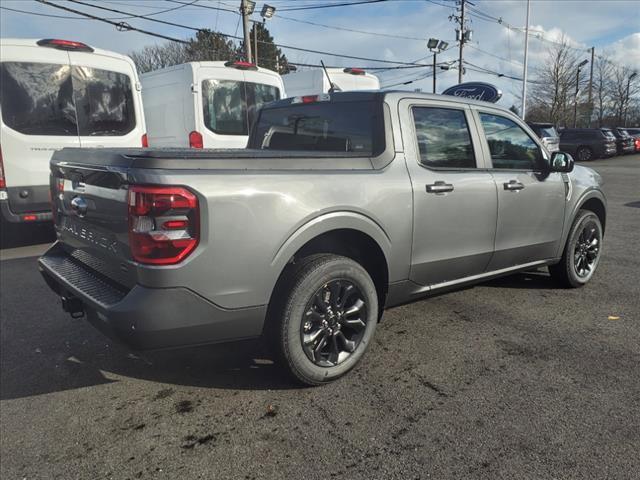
[[27, 217], [146, 318]]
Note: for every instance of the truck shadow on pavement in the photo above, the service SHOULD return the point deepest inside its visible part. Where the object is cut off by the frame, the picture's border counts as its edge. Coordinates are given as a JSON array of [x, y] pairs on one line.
[[42, 350]]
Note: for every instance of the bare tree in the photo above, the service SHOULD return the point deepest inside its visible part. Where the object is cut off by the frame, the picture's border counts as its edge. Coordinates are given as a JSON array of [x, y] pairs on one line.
[[153, 57], [555, 81], [623, 90], [602, 71]]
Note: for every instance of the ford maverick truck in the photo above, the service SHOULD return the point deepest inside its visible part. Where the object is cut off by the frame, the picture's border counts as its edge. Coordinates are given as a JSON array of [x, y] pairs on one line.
[[343, 205]]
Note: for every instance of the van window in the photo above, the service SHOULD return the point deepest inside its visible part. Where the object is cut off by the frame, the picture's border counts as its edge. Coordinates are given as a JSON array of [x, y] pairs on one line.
[[104, 102], [37, 98], [443, 138], [230, 107], [59, 100]]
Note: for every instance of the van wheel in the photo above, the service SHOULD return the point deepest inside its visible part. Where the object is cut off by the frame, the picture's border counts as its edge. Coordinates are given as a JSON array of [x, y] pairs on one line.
[[581, 253], [328, 319], [584, 154]]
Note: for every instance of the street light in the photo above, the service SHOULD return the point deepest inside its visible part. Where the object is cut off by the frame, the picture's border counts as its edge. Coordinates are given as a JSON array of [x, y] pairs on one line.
[[575, 103], [626, 108], [267, 12], [436, 46]]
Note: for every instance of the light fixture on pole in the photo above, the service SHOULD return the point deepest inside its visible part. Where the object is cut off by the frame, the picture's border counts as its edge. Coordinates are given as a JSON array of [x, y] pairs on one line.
[[267, 12], [575, 103], [626, 108], [436, 46]]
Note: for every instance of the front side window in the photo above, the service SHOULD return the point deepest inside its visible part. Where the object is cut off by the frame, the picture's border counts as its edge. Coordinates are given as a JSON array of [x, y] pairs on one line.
[[510, 146], [37, 98], [104, 102], [443, 138], [230, 107]]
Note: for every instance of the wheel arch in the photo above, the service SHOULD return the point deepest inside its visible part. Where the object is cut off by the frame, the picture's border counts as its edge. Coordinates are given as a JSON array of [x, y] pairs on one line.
[[350, 234]]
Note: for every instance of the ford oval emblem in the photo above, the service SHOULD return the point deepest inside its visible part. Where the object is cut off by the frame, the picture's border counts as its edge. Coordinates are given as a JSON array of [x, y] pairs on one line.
[[475, 91], [79, 205]]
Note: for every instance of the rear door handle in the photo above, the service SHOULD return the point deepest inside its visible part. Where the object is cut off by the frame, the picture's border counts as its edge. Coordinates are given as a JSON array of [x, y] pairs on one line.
[[513, 185], [439, 187]]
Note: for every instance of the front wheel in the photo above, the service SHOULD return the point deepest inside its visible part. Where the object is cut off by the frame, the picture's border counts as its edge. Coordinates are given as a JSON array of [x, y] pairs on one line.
[[581, 253], [328, 319], [584, 154]]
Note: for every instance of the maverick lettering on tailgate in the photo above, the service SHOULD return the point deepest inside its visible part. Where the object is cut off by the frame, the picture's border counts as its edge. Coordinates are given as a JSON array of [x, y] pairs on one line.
[[89, 236]]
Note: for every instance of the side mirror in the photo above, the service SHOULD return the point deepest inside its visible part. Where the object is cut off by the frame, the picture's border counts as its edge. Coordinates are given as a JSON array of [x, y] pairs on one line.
[[561, 162]]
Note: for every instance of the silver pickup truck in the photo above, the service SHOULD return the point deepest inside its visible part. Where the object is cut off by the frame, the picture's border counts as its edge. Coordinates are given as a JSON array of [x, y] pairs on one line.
[[343, 205]]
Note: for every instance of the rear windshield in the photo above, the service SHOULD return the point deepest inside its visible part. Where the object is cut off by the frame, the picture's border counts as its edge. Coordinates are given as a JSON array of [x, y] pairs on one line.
[[545, 132], [230, 107], [609, 134], [63, 100], [351, 127]]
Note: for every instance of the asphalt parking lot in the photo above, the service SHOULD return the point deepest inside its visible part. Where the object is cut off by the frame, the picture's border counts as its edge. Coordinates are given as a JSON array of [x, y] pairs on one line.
[[514, 378]]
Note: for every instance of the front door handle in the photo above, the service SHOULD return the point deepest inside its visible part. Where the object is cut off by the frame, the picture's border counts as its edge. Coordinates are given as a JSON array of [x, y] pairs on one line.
[[513, 185], [439, 187]]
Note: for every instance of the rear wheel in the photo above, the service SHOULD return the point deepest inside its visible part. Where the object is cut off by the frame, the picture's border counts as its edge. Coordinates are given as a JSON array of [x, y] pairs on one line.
[[584, 154], [581, 253], [327, 320]]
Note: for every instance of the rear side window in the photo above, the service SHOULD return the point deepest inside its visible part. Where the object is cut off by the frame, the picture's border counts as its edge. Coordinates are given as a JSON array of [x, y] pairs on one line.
[[510, 146], [59, 100], [104, 102], [37, 98], [230, 107], [350, 127], [443, 137]]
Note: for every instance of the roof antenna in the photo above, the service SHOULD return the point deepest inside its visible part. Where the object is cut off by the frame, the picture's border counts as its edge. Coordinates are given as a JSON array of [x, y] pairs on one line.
[[334, 87]]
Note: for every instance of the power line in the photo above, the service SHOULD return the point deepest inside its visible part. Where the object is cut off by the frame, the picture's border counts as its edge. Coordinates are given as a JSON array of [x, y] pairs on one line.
[[331, 5], [126, 26], [120, 25]]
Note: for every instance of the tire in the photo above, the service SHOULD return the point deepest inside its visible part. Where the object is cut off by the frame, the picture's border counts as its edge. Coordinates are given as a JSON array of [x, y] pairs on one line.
[[584, 154], [582, 251], [315, 336]]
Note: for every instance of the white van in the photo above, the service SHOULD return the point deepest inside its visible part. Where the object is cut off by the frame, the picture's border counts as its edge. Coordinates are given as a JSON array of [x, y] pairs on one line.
[[316, 81], [206, 104], [55, 94]]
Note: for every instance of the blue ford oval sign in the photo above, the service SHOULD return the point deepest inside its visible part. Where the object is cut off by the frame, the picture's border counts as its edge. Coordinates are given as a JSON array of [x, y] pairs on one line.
[[475, 91]]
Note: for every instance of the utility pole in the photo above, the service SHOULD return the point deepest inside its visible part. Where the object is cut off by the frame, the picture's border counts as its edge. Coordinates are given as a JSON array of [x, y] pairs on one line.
[[244, 11], [434, 72], [255, 42], [462, 34], [593, 54], [526, 58]]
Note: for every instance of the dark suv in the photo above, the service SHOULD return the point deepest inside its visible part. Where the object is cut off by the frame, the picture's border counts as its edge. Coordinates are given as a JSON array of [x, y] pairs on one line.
[[588, 143], [625, 143]]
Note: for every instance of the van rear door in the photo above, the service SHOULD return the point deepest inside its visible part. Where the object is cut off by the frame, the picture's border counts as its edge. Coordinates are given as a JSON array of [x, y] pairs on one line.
[[38, 118], [108, 100]]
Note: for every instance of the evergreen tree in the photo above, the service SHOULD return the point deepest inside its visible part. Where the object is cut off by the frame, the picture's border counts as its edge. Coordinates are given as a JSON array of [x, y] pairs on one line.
[[269, 55]]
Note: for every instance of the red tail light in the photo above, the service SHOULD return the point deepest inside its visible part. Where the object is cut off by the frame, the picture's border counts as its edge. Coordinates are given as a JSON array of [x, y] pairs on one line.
[[164, 224], [29, 218], [354, 71], [241, 65], [195, 140], [145, 141], [64, 45], [3, 182]]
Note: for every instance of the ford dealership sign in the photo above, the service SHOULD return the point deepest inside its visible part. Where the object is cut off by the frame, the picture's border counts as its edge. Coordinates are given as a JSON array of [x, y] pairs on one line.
[[475, 91]]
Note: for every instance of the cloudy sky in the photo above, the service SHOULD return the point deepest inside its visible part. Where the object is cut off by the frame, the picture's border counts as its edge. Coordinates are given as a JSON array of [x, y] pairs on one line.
[[394, 30]]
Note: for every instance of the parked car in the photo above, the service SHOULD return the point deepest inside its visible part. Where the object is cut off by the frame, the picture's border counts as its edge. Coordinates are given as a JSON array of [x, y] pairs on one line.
[[316, 81], [588, 143], [634, 133], [548, 134], [206, 104], [54, 94], [624, 142], [322, 223]]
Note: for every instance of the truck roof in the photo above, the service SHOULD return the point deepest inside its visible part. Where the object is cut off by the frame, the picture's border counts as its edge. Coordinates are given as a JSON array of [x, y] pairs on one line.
[[208, 64], [392, 96]]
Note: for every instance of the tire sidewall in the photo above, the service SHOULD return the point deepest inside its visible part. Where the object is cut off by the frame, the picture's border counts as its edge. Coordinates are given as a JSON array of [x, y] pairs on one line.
[[313, 278], [569, 263], [588, 152]]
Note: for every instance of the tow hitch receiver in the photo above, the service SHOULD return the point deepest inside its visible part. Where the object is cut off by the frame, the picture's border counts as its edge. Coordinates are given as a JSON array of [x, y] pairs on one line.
[[73, 306]]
